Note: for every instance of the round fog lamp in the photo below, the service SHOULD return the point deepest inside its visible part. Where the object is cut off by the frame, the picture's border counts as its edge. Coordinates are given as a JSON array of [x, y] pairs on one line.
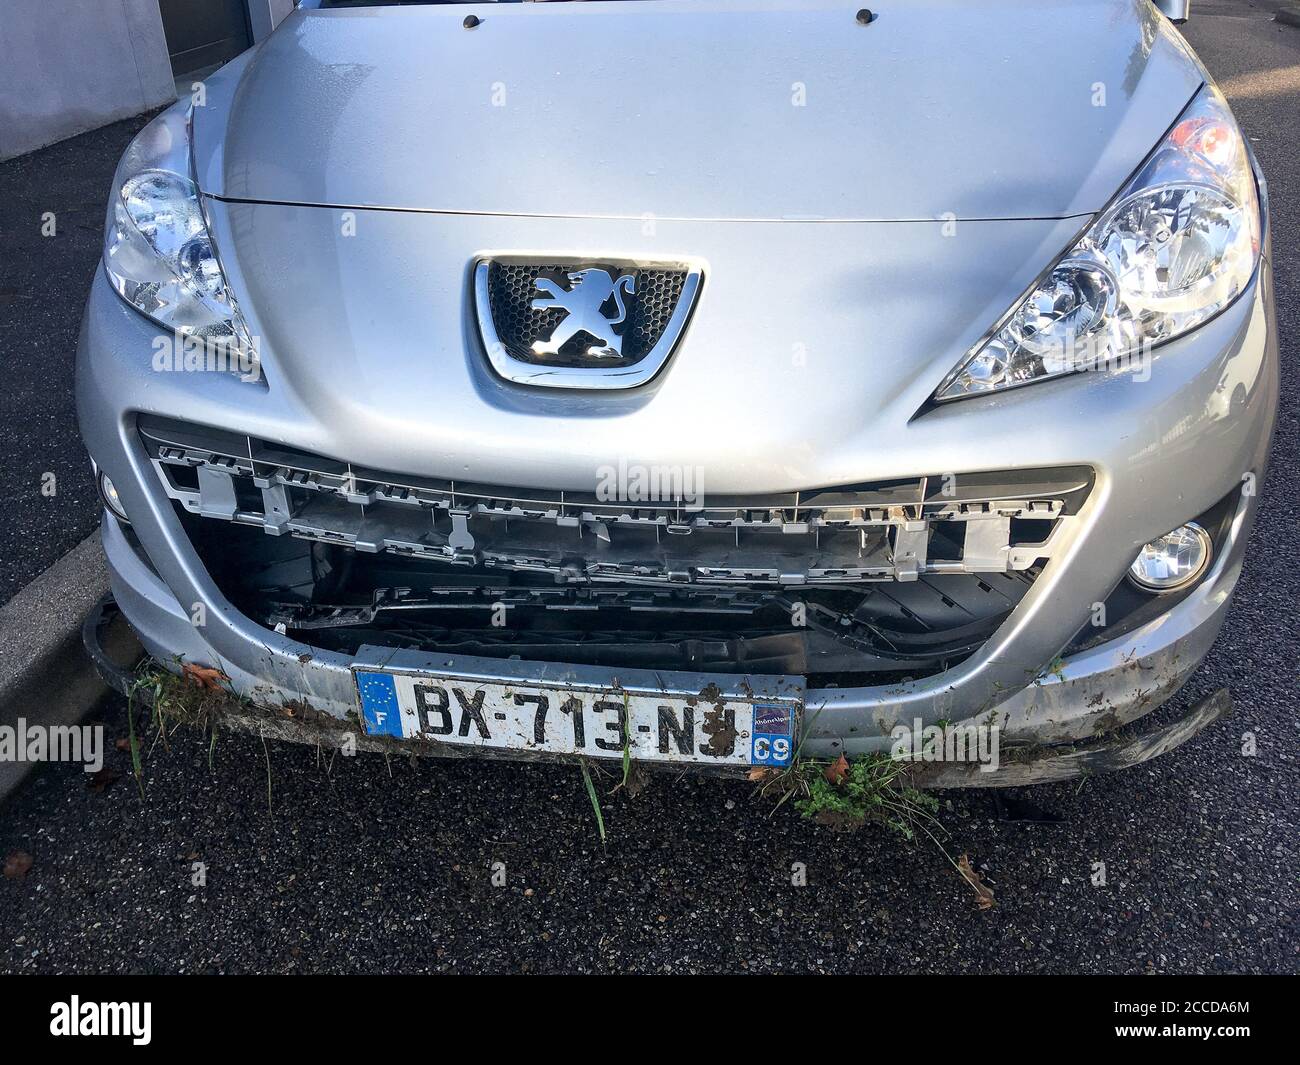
[[109, 495], [1172, 561]]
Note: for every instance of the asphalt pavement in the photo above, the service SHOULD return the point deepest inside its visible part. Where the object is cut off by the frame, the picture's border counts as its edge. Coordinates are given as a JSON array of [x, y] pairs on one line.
[[52, 207], [251, 858]]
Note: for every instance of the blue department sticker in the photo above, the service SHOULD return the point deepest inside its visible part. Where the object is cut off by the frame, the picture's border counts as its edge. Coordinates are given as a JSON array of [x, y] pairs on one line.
[[773, 734]]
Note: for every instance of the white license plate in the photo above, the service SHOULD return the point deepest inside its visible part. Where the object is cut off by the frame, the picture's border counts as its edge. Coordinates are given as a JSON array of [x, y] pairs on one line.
[[578, 710]]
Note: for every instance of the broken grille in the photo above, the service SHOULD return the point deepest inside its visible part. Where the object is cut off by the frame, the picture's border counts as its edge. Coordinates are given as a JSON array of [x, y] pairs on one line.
[[885, 531], [333, 597]]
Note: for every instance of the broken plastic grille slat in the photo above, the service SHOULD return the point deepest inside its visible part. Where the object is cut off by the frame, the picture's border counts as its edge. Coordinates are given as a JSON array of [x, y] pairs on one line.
[[830, 536]]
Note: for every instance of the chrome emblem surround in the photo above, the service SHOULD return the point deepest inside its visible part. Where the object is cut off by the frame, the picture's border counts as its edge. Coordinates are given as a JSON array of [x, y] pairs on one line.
[[590, 289]]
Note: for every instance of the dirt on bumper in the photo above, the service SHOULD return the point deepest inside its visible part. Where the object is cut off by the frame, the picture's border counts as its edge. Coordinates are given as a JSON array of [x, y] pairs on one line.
[[200, 698]]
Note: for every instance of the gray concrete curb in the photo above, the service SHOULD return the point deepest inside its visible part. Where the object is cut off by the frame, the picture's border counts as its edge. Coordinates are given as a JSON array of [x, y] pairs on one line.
[[45, 676]]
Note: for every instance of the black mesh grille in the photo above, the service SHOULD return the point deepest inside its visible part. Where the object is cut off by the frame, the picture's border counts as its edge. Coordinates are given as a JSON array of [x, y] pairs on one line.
[[511, 291]]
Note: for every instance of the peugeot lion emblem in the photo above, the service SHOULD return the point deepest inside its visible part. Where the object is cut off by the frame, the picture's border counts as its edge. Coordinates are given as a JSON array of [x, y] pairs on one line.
[[582, 323], [584, 310]]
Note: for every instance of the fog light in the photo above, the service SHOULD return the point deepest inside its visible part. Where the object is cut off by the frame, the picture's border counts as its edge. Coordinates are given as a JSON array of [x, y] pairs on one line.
[[1172, 561], [109, 495]]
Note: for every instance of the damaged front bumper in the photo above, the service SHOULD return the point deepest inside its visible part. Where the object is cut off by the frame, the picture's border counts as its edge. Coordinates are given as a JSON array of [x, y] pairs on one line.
[[1063, 723], [1159, 454], [1023, 765]]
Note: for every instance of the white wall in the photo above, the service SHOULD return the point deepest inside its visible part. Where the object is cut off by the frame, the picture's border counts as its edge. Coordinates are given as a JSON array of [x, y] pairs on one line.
[[67, 66]]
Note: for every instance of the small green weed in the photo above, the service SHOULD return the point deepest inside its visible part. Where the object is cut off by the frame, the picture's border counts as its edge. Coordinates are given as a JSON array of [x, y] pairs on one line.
[[845, 795]]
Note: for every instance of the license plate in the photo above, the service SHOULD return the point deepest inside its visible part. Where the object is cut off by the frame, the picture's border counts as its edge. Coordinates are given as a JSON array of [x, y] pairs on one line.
[[657, 716]]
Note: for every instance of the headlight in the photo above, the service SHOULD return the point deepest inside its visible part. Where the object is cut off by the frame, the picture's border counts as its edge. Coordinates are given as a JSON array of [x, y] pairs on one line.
[[158, 253], [1176, 246]]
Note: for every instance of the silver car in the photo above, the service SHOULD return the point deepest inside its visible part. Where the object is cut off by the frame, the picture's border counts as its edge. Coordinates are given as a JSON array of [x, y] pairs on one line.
[[702, 383]]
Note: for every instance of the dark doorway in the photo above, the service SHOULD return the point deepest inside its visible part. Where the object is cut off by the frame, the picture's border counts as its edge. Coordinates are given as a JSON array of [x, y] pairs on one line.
[[204, 33]]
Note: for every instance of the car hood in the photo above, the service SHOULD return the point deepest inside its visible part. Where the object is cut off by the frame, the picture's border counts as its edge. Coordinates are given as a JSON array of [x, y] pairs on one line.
[[698, 109]]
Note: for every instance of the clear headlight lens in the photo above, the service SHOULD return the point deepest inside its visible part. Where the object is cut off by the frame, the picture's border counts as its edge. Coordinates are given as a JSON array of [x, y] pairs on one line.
[[1176, 246], [158, 253]]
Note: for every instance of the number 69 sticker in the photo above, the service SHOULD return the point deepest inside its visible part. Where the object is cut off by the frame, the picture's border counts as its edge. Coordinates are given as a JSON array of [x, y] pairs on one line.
[[773, 735]]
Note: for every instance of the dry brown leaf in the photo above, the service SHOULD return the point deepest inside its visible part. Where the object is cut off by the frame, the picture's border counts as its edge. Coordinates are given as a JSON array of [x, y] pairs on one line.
[[203, 676], [983, 893], [837, 771], [101, 779], [16, 865], [761, 772]]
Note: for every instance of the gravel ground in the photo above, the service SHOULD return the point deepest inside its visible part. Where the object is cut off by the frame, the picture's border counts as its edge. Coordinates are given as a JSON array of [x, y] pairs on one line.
[[370, 866]]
